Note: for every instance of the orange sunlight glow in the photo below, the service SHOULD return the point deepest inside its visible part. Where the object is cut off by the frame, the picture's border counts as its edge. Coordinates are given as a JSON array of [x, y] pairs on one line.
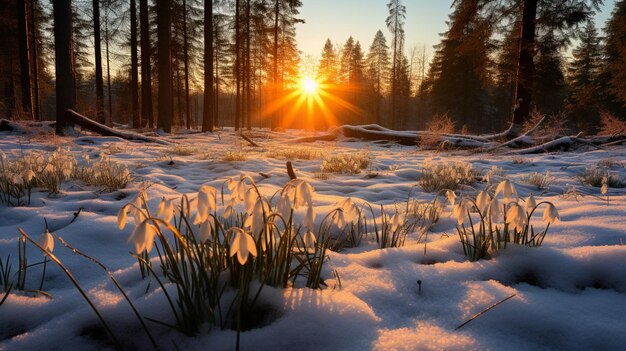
[[309, 85], [311, 104]]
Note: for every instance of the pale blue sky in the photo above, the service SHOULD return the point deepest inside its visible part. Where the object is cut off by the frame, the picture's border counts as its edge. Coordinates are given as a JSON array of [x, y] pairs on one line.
[[338, 19]]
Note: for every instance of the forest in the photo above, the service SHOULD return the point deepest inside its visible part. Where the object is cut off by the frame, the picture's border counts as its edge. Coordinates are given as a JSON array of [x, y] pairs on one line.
[[121, 52], [182, 175]]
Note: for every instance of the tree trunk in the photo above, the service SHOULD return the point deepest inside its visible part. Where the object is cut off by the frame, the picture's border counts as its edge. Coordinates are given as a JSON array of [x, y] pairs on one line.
[[208, 115], [22, 23], [237, 67], [35, 62], [248, 70], [98, 63], [525, 68], [274, 119], [146, 73], [109, 120], [186, 66], [165, 66], [65, 92], [134, 65]]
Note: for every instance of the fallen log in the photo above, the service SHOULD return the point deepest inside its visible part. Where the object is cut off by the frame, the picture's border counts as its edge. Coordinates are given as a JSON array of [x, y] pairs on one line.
[[408, 138], [74, 118]]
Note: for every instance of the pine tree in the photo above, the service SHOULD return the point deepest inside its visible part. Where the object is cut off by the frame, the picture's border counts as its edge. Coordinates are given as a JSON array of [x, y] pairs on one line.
[[614, 68], [549, 85], [146, 69], [583, 74], [327, 71], [459, 73], [378, 71], [395, 24]]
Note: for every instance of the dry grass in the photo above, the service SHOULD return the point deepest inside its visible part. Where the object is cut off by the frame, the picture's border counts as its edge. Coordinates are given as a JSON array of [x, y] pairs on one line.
[[438, 126], [539, 180], [235, 156], [295, 153], [437, 176], [346, 163], [594, 176], [611, 125], [184, 150]]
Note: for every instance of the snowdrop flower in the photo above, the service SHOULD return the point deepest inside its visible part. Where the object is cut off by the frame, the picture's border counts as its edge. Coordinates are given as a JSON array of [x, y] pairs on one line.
[[46, 241], [507, 189], [143, 237], [451, 196], [515, 217], [229, 211], [460, 211], [206, 229], [283, 206], [348, 212], [395, 222], [530, 204], [309, 241], [166, 209], [121, 217], [242, 245], [304, 193], [207, 203], [495, 211], [309, 219], [256, 219], [550, 214], [482, 201], [250, 199], [238, 187]]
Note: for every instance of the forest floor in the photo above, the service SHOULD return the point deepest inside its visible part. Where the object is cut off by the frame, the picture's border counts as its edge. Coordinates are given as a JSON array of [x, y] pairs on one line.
[[570, 293]]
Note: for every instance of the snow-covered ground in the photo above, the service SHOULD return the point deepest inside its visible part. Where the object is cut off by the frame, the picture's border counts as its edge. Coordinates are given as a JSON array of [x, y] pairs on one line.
[[570, 293]]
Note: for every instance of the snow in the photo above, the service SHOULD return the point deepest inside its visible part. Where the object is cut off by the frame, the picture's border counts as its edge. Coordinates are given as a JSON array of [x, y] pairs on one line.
[[570, 292]]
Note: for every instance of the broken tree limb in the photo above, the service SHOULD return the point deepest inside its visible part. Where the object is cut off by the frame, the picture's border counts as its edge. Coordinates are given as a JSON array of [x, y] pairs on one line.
[[522, 139], [74, 117], [563, 143], [292, 174], [252, 143]]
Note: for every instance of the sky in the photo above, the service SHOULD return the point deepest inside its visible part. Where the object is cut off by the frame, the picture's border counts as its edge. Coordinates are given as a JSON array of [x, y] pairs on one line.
[[339, 19]]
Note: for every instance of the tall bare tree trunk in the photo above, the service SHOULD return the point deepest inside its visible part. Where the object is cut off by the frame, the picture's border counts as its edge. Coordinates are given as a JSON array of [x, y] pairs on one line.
[[22, 23], [65, 92], [209, 114], [275, 117], [134, 67], [109, 119], [248, 70], [525, 68], [237, 67], [35, 62], [98, 62], [165, 66], [186, 66], [146, 73]]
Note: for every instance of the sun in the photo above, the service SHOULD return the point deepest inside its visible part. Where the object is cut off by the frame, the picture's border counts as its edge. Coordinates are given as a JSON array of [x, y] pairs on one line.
[[309, 85]]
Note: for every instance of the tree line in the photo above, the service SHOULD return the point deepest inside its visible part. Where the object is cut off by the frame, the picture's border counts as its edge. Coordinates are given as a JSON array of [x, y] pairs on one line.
[[148, 64]]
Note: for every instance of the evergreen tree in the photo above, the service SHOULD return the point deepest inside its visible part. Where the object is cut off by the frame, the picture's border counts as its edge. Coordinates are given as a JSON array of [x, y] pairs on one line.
[[549, 85], [327, 71], [460, 71], [395, 24], [583, 73], [614, 67], [378, 71]]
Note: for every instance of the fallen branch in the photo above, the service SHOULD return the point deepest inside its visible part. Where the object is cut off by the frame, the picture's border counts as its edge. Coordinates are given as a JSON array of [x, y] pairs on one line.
[[522, 139], [483, 312], [292, 174], [74, 117], [252, 143]]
